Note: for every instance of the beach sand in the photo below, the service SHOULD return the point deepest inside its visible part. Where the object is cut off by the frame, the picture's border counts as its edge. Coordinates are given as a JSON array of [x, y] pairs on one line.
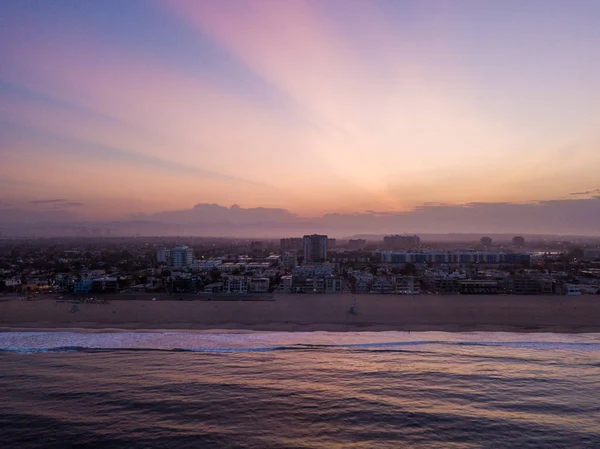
[[457, 313]]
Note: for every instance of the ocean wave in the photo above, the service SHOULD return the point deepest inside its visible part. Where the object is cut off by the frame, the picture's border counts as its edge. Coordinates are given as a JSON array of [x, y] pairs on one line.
[[97, 346]]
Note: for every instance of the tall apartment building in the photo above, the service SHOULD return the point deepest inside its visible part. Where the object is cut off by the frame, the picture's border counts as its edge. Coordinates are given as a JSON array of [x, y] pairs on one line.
[[290, 244], [315, 248], [357, 243], [518, 241], [182, 256], [163, 255], [401, 241], [256, 247]]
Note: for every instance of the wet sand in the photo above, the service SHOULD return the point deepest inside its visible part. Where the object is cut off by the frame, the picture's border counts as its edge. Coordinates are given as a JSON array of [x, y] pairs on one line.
[[458, 313]]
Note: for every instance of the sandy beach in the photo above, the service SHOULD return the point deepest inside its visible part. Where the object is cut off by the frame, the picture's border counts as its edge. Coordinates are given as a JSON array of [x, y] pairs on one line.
[[315, 312]]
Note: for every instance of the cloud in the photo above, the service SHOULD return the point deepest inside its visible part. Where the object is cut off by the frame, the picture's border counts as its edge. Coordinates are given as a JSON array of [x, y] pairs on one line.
[[215, 213], [58, 203], [48, 201], [556, 217], [22, 217], [587, 192], [572, 216]]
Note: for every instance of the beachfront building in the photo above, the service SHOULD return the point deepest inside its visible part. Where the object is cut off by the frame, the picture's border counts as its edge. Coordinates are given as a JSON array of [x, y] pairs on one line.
[[528, 286], [259, 285], [382, 285], [315, 248], [334, 284], [287, 284], [572, 290], [235, 284], [406, 285], [317, 284], [453, 257], [182, 256], [478, 287], [104, 285], [215, 287], [82, 286]]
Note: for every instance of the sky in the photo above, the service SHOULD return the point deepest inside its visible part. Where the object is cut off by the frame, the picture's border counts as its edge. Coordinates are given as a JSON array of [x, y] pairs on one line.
[[112, 109]]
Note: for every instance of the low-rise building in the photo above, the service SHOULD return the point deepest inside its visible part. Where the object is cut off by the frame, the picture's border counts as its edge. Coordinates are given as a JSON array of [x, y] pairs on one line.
[[407, 285], [478, 287], [215, 287], [82, 286], [334, 284], [235, 284], [591, 253], [259, 285]]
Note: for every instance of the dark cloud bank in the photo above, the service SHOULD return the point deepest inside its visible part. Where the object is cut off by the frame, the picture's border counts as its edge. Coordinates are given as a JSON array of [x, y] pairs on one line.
[[557, 217]]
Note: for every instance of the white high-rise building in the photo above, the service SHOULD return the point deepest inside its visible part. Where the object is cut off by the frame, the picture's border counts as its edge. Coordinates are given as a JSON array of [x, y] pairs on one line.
[[182, 256], [315, 248]]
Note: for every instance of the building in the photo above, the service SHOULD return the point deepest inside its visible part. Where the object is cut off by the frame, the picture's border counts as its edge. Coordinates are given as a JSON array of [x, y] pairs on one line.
[[324, 269], [215, 287], [334, 284], [524, 286], [357, 243], [591, 253], [82, 286], [104, 285], [182, 256], [401, 241], [518, 241], [236, 284], [287, 284], [315, 248], [315, 284], [383, 285], [259, 285], [454, 257], [205, 265], [485, 241], [290, 244], [478, 287], [256, 247], [407, 285], [331, 243], [289, 260], [572, 290], [163, 256]]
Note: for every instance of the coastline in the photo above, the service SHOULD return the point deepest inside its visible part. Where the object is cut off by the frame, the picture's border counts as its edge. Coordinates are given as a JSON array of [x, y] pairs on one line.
[[307, 313]]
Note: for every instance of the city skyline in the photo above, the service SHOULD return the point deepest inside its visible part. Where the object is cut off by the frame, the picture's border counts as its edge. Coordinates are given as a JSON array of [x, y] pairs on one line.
[[377, 113]]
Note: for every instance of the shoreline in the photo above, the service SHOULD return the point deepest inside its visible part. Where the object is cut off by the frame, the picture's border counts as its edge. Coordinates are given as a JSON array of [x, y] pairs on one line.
[[310, 313], [373, 329]]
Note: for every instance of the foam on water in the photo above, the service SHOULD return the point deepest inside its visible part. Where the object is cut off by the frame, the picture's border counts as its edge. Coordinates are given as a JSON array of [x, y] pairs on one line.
[[35, 342]]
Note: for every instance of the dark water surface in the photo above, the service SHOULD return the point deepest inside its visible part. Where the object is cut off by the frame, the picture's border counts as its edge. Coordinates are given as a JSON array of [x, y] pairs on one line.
[[317, 390]]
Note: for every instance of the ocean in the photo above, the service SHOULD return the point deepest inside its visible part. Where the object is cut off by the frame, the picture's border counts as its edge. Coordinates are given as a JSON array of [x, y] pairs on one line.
[[299, 390]]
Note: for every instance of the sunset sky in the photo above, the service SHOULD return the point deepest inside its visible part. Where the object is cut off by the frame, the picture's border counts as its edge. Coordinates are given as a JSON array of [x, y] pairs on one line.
[[112, 107]]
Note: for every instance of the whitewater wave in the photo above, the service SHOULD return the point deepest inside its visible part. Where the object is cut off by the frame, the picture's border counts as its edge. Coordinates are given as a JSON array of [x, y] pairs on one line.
[[69, 342]]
